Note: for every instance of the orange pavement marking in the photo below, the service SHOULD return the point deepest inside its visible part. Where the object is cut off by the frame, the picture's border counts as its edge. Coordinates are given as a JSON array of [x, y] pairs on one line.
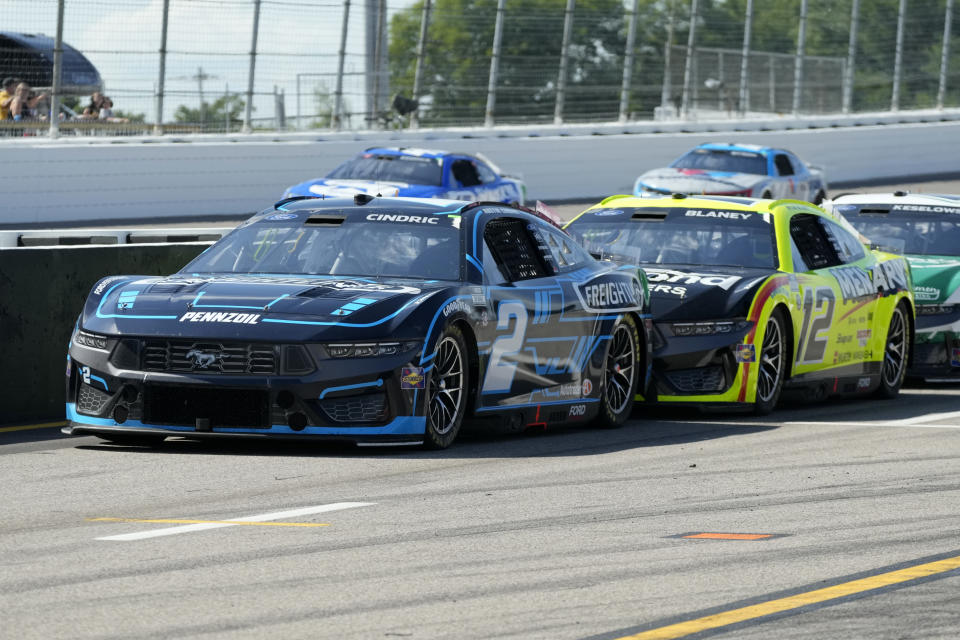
[[731, 536]]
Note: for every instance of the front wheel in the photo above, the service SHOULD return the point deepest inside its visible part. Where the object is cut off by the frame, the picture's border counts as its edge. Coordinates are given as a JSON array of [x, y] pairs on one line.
[[771, 365], [447, 385], [620, 375], [894, 355]]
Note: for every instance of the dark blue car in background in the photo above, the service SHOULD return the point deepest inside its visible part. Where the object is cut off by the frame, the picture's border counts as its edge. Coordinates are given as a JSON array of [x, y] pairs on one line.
[[416, 173]]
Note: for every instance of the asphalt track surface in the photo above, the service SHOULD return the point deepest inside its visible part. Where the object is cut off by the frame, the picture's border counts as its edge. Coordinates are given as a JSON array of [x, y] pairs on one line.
[[831, 520]]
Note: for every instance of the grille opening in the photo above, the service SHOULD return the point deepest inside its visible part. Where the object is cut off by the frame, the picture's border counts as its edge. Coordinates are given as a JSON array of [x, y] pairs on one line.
[[90, 400], [209, 357], [369, 408], [182, 406]]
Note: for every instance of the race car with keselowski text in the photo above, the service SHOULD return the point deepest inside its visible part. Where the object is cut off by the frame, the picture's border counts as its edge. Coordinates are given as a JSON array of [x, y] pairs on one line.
[[750, 297], [374, 320], [736, 170], [925, 228], [416, 173]]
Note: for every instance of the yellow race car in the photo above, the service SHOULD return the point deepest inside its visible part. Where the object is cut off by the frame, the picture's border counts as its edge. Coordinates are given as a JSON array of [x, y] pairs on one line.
[[750, 297]]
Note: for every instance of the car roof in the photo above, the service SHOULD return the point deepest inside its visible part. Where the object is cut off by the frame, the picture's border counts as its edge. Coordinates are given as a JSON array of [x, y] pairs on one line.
[[363, 201], [409, 151], [733, 146], [733, 203], [899, 197]]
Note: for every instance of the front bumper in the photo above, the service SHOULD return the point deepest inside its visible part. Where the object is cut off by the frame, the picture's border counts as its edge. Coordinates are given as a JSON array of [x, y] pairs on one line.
[[363, 401]]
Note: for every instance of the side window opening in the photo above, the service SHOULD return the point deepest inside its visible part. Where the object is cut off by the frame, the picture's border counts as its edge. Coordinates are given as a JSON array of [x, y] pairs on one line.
[[513, 250], [485, 174], [811, 239], [784, 166], [848, 248], [465, 172]]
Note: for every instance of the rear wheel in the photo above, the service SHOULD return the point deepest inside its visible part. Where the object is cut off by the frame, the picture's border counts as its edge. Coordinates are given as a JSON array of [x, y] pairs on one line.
[[620, 375], [447, 384], [894, 355], [820, 197], [771, 365]]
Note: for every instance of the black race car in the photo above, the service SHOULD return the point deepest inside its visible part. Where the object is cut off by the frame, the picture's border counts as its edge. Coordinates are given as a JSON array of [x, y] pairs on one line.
[[376, 320]]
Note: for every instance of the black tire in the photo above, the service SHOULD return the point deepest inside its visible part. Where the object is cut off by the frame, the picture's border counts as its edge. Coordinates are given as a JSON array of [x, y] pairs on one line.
[[447, 388], [771, 364], [621, 375], [767, 195], [894, 369], [819, 198], [132, 439]]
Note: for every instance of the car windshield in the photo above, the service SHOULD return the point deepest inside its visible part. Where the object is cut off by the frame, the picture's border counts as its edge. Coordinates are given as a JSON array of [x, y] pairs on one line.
[[916, 232], [373, 246], [723, 160], [391, 168], [678, 236]]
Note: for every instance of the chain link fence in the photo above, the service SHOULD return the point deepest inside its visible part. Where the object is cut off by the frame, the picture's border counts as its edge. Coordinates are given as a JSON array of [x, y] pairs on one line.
[[226, 66]]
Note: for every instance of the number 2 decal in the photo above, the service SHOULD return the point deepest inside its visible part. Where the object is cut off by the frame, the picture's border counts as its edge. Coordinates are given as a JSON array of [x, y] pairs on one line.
[[499, 377], [816, 321]]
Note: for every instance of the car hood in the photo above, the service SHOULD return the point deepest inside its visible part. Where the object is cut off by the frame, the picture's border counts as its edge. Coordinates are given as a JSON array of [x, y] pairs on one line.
[[694, 292], [697, 180], [936, 279], [256, 307]]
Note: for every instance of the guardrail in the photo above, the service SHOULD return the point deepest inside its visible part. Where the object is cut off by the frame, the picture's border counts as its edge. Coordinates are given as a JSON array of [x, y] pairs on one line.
[[20, 238]]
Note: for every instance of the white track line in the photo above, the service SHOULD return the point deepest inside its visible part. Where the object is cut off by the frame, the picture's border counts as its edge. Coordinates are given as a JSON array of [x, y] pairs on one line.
[[263, 517]]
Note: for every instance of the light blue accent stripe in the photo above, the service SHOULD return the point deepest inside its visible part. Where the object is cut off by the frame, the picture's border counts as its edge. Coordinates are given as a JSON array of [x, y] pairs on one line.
[[365, 300], [124, 315], [474, 262], [538, 404], [426, 338], [352, 306], [362, 385], [348, 324], [101, 381], [286, 295], [401, 425]]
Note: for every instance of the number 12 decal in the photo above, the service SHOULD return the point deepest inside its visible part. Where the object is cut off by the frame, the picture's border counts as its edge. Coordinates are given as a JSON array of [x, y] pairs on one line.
[[816, 322], [499, 377]]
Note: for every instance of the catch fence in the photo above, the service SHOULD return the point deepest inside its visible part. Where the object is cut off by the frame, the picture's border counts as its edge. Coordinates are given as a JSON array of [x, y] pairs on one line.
[[228, 66]]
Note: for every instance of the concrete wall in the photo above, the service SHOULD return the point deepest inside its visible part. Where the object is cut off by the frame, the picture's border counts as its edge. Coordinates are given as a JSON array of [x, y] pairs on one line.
[[41, 294], [73, 180]]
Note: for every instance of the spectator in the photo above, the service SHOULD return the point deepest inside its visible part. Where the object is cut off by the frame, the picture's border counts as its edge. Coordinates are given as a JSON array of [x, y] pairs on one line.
[[106, 111], [6, 97], [92, 110], [24, 103]]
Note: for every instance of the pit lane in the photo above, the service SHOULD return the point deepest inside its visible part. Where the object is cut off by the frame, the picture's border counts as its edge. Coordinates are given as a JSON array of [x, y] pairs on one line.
[[572, 533]]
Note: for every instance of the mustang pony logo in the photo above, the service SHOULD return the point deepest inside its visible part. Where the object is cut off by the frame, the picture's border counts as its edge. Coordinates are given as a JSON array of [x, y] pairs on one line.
[[202, 359]]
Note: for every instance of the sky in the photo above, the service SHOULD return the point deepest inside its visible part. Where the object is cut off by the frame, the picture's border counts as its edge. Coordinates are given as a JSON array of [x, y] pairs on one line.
[[297, 39]]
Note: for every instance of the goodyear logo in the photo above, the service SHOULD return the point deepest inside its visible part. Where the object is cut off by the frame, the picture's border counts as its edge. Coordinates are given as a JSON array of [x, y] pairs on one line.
[[412, 378], [745, 353]]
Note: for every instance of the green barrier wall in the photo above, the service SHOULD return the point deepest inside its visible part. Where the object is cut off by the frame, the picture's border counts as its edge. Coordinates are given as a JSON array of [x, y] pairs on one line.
[[41, 294]]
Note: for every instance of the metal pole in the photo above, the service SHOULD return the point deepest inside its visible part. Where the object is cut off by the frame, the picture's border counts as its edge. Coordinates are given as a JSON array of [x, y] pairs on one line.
[[378, 64], [494, 65], [162, 73], [945, 54], [299, 121], [898, 58], [421, 52], [798, 62], [744, 98], [247, 128], [688, 64], [628, 57], [666, 88], [771, 63], [226, 107], [562, 74], [851, 57], [57, 72], [338, 92]]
